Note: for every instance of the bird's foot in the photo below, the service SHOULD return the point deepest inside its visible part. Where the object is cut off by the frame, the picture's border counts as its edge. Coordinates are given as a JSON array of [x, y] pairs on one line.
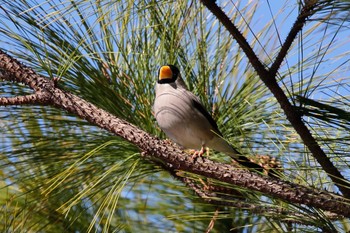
[[197, 153], [168, 141]]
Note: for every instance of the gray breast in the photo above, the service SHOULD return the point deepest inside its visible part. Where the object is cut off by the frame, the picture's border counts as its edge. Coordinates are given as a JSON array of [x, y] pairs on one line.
[[178, 119]]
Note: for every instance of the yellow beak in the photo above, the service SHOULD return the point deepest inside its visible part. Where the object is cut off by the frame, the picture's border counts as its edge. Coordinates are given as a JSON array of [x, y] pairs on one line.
[[165, 73]]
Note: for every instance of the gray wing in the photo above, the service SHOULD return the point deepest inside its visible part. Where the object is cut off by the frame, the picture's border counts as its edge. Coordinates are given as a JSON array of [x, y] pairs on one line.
[[197, 105]]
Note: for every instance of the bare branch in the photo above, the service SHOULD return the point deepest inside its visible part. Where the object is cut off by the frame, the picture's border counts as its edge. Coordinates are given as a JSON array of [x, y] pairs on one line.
[[268, 77], [236, 34], [298, 25]]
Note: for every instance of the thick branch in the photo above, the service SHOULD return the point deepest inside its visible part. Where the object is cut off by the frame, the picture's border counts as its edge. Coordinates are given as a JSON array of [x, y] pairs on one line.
[[171, 155], [269, 78], [280, 214], [12, 70]]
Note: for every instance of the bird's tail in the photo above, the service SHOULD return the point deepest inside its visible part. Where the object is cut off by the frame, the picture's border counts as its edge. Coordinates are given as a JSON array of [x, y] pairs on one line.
[[220, 144], [244, 161]]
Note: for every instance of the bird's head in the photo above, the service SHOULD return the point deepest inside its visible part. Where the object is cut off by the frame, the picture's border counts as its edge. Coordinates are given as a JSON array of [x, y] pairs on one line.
[[168, 74]]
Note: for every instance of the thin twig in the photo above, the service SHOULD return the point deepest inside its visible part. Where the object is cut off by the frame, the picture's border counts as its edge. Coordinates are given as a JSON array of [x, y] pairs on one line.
[[298, 25], [225, 20], [212, 221]]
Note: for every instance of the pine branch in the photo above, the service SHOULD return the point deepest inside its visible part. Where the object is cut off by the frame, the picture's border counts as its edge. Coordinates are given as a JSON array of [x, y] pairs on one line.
[[171, 156], [269, 79], [278, 213], [228, 197]]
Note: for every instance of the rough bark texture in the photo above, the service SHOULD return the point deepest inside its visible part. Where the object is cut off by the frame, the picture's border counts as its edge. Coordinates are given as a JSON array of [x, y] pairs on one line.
[[172, 158]]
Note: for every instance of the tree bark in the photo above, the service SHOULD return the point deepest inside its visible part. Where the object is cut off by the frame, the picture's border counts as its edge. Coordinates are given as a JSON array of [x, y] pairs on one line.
[[46, 92]]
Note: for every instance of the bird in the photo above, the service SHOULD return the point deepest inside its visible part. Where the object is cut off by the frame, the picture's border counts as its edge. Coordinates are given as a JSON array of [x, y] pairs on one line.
[[183, 118]]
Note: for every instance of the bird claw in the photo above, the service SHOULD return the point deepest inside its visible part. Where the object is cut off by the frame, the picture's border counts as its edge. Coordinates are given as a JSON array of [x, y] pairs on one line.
[[197, 153]]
